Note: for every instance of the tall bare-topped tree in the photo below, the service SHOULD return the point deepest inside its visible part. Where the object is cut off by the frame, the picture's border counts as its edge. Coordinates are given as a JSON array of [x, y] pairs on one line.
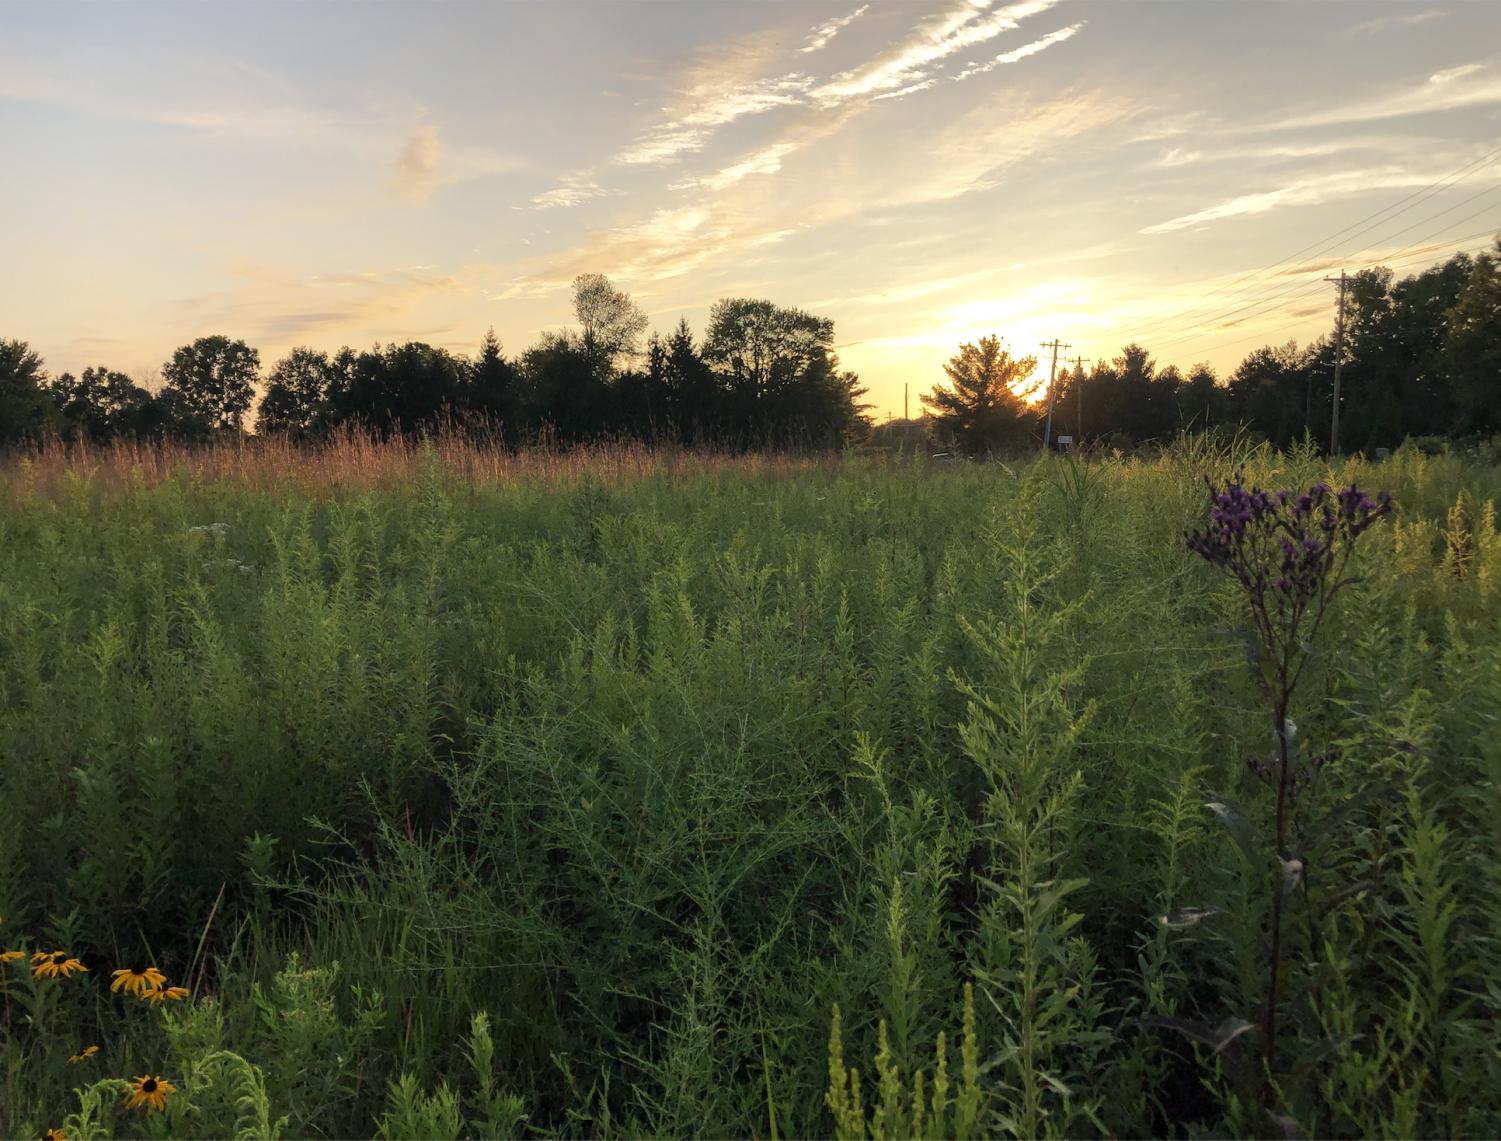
[[610, 323], [982, 406]]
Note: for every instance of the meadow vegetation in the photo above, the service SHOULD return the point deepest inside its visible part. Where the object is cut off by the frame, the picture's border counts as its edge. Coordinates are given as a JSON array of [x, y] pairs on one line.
[[621, 793]]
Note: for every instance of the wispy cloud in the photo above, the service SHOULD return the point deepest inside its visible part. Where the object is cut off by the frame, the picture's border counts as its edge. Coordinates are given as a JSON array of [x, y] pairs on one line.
[[277, 307], [1022, 52], [1469, 85], [715, 108], [572, 190], [903, 92], [820, 36], [1273, 153], [961, 26], [1403, 20], [210, 94], [767, 160], [1304, 192], [1374, 255], [979, 148], [910, 66], [416, 167]]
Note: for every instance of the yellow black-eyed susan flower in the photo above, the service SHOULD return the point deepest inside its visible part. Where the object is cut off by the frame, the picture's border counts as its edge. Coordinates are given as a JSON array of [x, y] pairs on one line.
[[83, 1055], [54, 1135], [50, 964], [137, 980], [11, 956], [149, 1092], [166, 994]]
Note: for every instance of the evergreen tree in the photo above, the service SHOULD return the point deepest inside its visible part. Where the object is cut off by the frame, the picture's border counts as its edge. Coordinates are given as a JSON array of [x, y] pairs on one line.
[[492, 387], [981, 409], [695, 397]]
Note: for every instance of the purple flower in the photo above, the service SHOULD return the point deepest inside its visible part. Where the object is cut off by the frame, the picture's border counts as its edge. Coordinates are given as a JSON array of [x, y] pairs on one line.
[[1287, 549]]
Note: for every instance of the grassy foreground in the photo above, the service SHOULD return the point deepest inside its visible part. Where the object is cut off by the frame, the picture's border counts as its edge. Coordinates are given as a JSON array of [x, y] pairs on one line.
[[573, 795]]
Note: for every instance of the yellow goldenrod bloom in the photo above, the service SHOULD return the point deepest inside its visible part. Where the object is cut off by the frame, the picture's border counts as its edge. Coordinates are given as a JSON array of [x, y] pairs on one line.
[[11, 956], [165, 994], [137, 980], [87, 1053], [149, 1092], [50, 964]]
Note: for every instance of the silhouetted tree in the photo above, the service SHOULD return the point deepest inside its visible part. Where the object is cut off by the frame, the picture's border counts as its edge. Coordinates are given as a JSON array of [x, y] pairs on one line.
[[642, 397], [981, 410], [215, 378], [1471, 354], [1203, 403], [695, 396], [1268, 392], [565, 396], [779, 373], [101, 405], [297, 393], [397, 390], [610, 323], [25, 411], [492, 387]]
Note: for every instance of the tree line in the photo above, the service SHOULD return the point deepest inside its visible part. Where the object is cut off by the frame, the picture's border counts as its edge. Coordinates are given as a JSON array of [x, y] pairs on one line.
[[1420, 356], [762, 374]]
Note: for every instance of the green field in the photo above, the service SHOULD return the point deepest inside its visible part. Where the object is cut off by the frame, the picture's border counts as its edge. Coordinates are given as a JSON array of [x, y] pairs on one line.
[[570, 795]]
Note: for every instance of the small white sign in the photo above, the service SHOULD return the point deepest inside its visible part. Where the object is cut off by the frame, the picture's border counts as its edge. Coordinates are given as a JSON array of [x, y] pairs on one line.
[[1065, 441]]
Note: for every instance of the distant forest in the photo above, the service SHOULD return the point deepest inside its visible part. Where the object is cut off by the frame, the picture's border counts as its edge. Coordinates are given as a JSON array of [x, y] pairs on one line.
[[1421, 356]]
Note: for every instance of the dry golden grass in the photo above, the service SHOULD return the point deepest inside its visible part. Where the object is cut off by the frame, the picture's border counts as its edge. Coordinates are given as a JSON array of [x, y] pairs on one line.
[[355, 460]]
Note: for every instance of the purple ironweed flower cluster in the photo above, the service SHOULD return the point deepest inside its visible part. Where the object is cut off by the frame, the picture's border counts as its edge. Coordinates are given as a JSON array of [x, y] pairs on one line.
[[1288, 550], [1283, 545]]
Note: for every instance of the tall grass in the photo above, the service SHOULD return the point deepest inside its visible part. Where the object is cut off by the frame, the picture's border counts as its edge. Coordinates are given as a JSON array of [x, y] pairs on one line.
[[573, 793]]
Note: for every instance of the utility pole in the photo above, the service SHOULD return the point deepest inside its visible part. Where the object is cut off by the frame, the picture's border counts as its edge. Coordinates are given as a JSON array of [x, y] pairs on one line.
[[906, 415], [1055, 344], [1339, 354], [1079, 400]]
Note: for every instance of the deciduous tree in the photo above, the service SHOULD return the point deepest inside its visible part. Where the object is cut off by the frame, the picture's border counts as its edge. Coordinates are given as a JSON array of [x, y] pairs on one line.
[[215, 378]]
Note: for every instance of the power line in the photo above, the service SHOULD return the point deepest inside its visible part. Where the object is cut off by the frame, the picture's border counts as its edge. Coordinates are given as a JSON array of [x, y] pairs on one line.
[[1260, 304], [1325, 245], [1269, 302], [1269, 333]]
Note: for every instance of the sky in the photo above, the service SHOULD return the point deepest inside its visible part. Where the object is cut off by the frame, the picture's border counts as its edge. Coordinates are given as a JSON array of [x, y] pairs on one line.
[[924, 173]]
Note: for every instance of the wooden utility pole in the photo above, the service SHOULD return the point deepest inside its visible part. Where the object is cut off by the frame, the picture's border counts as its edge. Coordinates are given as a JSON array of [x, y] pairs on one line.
[[1055, 344], [1339, 355], [905, 413], [1079, 400]]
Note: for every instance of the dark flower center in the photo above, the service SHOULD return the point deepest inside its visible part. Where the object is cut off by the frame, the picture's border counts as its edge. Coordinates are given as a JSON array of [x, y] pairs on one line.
[[148, 1086], [59, 956]]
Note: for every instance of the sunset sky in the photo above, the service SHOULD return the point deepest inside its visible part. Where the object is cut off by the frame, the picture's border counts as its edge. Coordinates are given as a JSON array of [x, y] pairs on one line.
[[922, 173]]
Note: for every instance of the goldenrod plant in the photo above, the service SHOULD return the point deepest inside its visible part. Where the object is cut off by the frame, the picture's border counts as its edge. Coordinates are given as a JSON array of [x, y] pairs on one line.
[[418, 789]]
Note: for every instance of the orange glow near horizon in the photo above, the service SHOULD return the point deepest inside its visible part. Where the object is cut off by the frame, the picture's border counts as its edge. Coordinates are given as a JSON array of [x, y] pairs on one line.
[[922, 174]]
